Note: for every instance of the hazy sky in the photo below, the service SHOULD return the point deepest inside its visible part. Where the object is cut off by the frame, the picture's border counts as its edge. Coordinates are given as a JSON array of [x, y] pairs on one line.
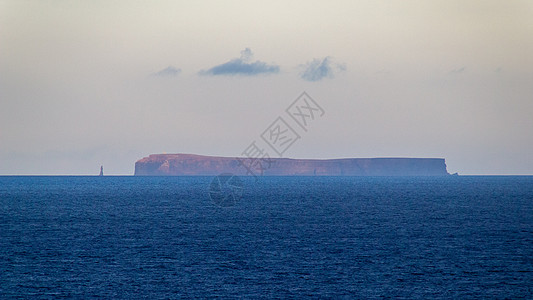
[[85, 83]]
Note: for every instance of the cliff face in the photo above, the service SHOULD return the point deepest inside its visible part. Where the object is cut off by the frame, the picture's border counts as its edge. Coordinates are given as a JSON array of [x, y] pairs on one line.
[[198, 165]]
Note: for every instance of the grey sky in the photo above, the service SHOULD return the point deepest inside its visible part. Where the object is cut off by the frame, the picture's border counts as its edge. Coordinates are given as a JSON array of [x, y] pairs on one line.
[[450, 79]]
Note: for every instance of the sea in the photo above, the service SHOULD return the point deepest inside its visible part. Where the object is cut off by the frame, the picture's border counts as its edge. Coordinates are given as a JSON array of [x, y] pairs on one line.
[[111, 237]]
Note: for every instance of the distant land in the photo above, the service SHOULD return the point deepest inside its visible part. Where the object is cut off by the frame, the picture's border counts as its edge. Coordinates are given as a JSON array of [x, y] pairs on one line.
[[199, 165]]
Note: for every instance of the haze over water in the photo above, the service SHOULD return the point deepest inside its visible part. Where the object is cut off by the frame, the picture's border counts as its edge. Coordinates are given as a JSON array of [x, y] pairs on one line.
[[91, 83]]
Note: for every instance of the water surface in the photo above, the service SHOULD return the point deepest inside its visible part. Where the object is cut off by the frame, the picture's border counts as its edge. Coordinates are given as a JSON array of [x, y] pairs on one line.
[[162, 237]]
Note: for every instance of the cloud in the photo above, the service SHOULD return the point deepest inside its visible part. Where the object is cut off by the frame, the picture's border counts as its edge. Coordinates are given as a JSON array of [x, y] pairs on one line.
[[458, 71], [170, 71], [246, 54], [318, 69], [242, 66]]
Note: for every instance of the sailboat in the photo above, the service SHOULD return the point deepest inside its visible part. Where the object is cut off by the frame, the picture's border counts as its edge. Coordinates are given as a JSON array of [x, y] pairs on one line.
[[101, 171]]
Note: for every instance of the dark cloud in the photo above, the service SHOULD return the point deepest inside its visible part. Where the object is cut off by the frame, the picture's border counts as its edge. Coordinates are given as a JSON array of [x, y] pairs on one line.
[[317, 69], [242, 66], [170, 71]]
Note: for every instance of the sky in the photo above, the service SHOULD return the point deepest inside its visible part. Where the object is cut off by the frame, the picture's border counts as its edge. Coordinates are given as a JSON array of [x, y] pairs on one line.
[[90, 83]]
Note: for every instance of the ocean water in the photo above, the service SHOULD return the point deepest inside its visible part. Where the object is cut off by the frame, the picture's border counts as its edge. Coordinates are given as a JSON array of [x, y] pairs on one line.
[[285, 237]]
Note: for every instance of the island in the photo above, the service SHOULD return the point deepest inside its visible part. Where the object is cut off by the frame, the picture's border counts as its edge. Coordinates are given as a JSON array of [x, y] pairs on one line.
[[200, 165]]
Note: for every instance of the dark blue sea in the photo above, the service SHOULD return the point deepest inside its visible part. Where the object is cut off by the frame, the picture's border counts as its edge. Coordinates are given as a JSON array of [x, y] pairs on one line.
[[285, 237]]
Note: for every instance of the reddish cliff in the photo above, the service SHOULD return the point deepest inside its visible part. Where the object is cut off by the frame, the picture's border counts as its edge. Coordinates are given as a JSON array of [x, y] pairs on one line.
[[198, 165]]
